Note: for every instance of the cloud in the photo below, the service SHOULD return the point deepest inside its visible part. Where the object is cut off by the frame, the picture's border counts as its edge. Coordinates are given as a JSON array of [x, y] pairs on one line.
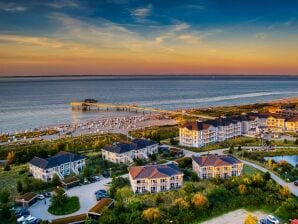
[[260, 36], [12, 7], [32, 40], [189, 39], [140, 14], [62, 4]]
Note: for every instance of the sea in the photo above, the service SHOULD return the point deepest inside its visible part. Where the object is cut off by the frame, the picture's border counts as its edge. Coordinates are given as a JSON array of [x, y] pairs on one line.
[[28, 103]]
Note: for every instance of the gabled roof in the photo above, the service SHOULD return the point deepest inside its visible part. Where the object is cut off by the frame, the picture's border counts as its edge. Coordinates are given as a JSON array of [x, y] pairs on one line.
[[293, 119], [154, 171], [123, 147], [56, 160], [215, 160]]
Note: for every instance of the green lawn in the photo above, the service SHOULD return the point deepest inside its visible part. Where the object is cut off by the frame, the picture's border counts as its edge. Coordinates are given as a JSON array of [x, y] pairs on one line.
[[70, 206], [249, 170]]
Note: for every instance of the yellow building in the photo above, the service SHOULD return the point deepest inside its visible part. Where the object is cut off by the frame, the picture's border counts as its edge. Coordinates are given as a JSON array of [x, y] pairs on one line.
[[211, 166], [292, 124], [275, 123]]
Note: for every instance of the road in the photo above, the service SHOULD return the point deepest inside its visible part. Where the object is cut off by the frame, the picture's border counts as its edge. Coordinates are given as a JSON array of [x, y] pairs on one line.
[[291, 186]]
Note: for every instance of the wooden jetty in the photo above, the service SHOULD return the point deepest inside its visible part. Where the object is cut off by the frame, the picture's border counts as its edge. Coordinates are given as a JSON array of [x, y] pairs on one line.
[[127, 107]]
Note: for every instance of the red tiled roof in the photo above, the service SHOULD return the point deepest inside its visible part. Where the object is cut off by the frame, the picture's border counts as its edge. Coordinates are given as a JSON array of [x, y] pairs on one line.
[[154, 171], [215, 160]]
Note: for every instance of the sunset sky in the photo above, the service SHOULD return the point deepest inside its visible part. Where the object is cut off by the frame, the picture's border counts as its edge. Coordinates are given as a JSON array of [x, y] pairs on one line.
[[105, 37]]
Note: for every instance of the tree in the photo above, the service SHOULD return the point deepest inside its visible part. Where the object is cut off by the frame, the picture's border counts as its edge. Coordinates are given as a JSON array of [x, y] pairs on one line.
[[239, 148], [296, 141], [200, 201], [10, 157], [55, 180], [267, 176], [242, 189], [285, 192], [269, 162], [59, 197], [19, 186], [181, 203], [88, 221], [86, 172], [151, 214], [250, 219], [4, 196]]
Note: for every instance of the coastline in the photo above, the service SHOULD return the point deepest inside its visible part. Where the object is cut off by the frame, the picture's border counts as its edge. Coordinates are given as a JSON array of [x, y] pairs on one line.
[[69, 127]]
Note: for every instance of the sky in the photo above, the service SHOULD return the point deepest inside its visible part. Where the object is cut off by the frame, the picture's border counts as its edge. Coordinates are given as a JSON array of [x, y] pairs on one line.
[[142, 37]]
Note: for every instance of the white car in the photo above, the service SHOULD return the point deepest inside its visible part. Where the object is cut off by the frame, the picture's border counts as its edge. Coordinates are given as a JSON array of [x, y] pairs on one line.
[[40, 197], [23, 218], [272, 220], [29, 220]]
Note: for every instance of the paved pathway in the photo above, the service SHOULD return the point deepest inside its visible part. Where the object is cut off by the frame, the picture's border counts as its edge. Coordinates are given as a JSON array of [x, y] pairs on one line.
[[292, 187]]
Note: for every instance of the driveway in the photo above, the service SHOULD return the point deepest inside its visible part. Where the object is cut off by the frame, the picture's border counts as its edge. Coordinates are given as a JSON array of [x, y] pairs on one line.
[[235, 217], [85, 194]]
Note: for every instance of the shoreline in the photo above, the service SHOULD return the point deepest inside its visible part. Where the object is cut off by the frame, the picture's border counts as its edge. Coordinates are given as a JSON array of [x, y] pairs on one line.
[[281, 101]]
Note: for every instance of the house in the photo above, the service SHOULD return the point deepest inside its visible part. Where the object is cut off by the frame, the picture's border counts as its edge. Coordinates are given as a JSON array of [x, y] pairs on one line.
[[155, 178], [62, 164], [292, 124], [126, 152], [211, 166]]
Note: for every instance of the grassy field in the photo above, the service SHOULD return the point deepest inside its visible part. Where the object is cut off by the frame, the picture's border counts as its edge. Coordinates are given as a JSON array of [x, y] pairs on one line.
[[249, 170], [157, 133], [71, 205], [8, 179]]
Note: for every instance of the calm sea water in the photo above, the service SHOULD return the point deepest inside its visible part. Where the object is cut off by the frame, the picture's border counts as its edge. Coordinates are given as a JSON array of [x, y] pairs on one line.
[[38, 102]]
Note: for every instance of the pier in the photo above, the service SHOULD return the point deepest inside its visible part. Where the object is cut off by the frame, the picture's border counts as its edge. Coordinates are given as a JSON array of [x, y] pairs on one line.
[[86, 106]]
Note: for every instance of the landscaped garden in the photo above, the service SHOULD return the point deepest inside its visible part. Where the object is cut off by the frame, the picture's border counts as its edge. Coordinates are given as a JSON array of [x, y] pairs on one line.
[[201, 200], [282, 168], [61, 204]]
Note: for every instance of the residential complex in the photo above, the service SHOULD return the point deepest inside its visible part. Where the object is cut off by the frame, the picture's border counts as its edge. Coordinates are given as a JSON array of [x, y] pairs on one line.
[[201, 133], [211, 166], [126, 152], [62, 164], [155, 178]]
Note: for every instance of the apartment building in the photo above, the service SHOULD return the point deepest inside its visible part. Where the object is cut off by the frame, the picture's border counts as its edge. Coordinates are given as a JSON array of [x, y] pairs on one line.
[[126, 152], [276, 123], [211, 166], [155, 178], [200, 133], [292, 124], [62, 164]]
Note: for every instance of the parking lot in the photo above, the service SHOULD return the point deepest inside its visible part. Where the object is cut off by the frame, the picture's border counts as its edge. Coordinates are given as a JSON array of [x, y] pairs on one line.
[[85, 194]]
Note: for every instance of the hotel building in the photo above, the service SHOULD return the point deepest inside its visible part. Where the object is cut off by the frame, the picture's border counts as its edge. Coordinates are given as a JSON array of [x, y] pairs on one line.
[[155, 178], [211, 166], [62, 164], [126, 152]]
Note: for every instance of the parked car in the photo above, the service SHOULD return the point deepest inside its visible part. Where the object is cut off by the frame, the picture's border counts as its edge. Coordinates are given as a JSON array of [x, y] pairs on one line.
[[272, 220], [262, 221], [29, 220], [296, 182], [23, 218], [100, 194], [21, 212], [106, 174], [101, 191], [47, 194], [41, 197]]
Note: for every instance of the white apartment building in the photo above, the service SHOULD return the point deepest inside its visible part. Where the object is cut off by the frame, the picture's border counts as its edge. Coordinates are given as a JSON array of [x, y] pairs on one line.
[[155, 178], [126, 152], [211, 166], [62, 164]]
